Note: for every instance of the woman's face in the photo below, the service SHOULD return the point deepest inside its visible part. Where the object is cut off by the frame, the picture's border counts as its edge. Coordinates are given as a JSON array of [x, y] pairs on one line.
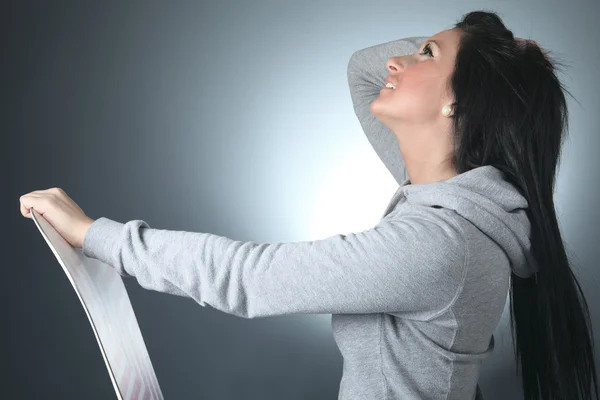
[[422, 83]]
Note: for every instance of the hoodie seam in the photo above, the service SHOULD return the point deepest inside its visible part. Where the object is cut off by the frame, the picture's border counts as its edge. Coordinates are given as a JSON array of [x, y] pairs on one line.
[[458, 292], [464, 271], [385, 385], [452, 344]]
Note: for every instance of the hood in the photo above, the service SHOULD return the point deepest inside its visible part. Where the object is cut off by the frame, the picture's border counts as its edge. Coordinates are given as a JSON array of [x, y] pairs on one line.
[[491, 203]]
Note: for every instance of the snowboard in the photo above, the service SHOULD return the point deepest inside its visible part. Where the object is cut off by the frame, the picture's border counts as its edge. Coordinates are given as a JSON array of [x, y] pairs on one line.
[[104, 298]]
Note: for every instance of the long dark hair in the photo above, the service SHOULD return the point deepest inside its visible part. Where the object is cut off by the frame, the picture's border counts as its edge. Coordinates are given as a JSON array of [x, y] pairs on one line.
[[510, 112]]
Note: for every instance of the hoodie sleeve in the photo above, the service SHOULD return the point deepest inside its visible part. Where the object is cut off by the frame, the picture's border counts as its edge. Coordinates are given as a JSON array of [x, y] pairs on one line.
[[411, 264], [366, 76]]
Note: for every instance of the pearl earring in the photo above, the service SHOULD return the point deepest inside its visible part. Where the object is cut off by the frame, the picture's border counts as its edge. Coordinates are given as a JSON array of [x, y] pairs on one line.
[[446, 110]]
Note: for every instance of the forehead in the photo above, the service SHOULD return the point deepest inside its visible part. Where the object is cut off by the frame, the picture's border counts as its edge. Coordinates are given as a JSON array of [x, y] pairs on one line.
[[447, 39], [447, 34]]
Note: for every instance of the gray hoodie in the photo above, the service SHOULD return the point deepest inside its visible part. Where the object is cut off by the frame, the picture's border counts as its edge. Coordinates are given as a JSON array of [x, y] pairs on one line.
[[414, 300]]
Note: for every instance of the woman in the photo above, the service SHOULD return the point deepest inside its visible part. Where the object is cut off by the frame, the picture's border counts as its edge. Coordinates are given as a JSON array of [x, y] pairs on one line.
[[471, 127]]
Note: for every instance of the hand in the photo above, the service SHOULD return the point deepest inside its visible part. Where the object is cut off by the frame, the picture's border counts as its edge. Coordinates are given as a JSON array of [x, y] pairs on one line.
[[60, 211]]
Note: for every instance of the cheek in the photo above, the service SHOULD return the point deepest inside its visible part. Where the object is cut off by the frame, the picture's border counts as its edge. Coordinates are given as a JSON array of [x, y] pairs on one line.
[[418, 91], [420, 84], [416, 98]]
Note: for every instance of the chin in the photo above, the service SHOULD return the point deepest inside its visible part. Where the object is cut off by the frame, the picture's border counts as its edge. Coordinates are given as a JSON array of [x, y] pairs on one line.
[[376, 108], [382, 111]]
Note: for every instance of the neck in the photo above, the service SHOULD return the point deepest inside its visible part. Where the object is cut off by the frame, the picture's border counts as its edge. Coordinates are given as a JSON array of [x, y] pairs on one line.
[[427, 155], [423, 176]]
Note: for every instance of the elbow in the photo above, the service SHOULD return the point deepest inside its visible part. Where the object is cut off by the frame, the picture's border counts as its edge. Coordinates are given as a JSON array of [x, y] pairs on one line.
[[351, 67]]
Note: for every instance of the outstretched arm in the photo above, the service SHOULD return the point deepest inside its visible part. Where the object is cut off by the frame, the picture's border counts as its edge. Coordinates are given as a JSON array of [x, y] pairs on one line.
[[366, 77], [410, 264]]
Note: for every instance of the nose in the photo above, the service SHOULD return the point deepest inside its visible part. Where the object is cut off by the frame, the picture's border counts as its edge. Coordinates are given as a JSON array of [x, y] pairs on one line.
[[395, 64]]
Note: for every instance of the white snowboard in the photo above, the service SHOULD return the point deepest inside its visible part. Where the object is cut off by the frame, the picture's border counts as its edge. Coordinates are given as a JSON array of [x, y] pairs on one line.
[[105, 301]]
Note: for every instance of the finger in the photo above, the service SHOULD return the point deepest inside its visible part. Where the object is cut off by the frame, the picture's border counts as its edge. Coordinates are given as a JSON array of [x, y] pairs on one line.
[[25, 205], [24, 210], [28, 201]]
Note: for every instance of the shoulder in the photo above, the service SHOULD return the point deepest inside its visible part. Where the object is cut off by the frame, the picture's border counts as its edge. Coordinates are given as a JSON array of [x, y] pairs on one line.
[[435, 224], [434, 236], [482, 258]]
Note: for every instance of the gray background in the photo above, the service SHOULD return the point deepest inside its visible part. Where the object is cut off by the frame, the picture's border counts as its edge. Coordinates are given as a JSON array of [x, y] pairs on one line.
[[234, 118]]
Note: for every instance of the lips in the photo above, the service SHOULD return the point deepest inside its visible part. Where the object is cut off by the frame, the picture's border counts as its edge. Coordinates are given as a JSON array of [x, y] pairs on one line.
[[390, 80]]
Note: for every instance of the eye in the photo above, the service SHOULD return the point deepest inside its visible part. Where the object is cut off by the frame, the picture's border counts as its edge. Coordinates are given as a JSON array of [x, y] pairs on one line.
[[427, 49]]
